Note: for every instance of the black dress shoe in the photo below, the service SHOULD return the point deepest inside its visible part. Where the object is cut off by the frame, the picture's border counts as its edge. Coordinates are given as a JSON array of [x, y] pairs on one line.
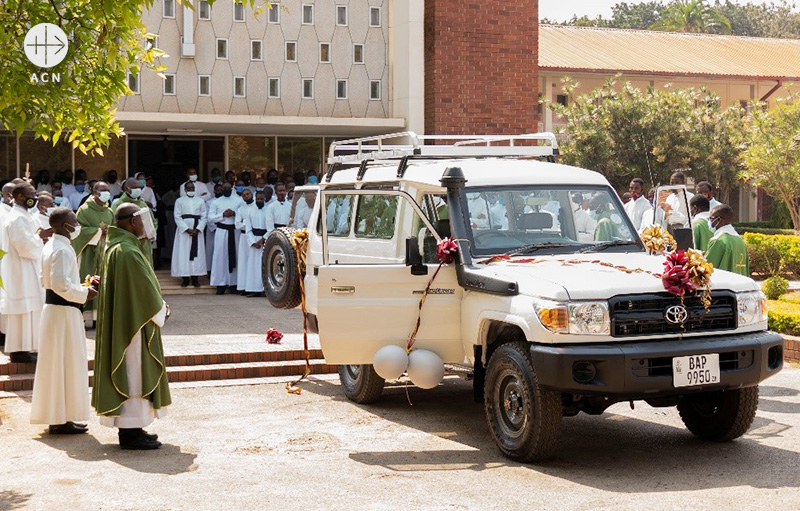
[[66, 429], [221, 290], [185, 282], [233, 290], [78, 425], [141, 443], [195, 282], [149, 436], [23, 357]]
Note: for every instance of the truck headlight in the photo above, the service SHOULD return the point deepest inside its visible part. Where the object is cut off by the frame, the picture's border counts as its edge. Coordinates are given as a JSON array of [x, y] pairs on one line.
[[580, 318], [752, 308]]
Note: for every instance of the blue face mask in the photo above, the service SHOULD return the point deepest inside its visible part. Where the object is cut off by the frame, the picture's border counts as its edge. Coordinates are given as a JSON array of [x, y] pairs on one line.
[[239, 189], [142, 183], [312, 180], [216, 179], [58, 200], [80, 188]]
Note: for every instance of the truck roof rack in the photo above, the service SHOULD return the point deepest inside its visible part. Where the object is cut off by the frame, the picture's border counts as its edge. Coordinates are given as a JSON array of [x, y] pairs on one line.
[[387, 147]]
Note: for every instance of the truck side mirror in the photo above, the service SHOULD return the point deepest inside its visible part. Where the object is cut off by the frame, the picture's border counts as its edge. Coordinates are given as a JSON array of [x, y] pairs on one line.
[[414, 258], [684, 238]]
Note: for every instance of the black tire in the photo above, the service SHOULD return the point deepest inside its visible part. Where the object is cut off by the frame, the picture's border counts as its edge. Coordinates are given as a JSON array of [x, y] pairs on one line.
[[524, 419], [719, 416], [361, 383], [279, 270]]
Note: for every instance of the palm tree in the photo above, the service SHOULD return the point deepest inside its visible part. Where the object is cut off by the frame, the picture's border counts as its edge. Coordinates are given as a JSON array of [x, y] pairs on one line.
[[693, 16]]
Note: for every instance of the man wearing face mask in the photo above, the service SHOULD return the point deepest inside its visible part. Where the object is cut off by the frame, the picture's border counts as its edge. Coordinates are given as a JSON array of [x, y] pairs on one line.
[[189, 249], [60, 388], [148, 195], [242, 253], [211, 228], [44, 205], [22, 298], [223, 214], [131, 194], [130, 378], [278, 212], [726, 249], [94, 217], [216, 178], [255, 220], [67, 188], [81, 191], [113, 185], [201, 191], [702, 233]]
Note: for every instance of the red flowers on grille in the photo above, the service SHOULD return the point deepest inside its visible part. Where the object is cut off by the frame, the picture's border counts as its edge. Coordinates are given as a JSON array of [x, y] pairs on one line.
[[676, 278], [446, 251]]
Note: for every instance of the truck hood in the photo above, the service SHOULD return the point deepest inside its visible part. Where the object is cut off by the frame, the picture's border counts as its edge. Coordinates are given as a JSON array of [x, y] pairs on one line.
[[560, 277]]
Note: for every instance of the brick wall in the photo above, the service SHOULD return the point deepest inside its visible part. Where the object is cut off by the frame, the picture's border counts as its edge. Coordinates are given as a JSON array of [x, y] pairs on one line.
[[481, 71], [791, 348]]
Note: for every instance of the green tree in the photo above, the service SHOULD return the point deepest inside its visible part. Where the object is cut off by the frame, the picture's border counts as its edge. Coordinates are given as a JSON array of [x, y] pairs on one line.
[[765, 20], [636, 16], [694, 16], [772, 154]]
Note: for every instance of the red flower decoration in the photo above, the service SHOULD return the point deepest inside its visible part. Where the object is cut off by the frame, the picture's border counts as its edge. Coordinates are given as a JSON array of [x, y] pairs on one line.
[[446, 251], [273, 336], [96, 281], [676, 277]]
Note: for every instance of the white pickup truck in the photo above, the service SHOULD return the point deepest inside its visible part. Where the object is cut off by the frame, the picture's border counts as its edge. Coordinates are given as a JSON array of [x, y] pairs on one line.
[[554, 327]]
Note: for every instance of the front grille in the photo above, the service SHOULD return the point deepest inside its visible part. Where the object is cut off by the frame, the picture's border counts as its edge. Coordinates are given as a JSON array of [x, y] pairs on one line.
[[633, 315], [662, 366]]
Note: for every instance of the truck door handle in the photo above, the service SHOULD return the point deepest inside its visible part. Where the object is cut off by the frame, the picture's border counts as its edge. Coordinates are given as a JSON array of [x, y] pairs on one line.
[[343, 290]]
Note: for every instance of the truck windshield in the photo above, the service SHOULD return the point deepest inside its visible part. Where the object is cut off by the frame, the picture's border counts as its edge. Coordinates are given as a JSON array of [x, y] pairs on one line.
[[536, 219]]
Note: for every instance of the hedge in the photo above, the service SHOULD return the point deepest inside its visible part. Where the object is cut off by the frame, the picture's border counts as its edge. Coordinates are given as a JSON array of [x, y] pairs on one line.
[[773, 254], [763, 230], [784, 317]]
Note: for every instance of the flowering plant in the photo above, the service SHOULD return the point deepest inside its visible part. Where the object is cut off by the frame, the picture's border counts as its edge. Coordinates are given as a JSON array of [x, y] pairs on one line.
[[274, 336]]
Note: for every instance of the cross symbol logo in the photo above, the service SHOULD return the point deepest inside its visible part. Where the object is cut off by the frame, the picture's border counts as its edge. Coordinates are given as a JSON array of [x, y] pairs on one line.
[[46, 45], [741, 262]]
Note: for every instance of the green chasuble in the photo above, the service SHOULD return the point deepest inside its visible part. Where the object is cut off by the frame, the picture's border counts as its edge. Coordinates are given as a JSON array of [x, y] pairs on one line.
[[607, 229], [146, 245], [729, 252], [702, 233], [129, 298], [90, 217]]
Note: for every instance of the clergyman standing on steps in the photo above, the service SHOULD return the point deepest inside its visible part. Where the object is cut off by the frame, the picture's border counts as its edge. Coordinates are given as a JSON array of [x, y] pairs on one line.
[[189, 248], [61, 384], [223, 215], [130, 375], [132, 193]]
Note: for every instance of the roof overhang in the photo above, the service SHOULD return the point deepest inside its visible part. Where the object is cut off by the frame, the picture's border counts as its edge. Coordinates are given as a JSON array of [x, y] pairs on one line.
[[163, 123], [635, 72]]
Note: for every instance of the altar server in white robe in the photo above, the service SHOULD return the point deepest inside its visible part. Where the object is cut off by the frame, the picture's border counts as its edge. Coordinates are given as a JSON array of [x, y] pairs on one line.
[[242, 252], [61, 385], [223, 215], [22, 299], [189, 249], [256, 236], [278, 212], [200, 188]]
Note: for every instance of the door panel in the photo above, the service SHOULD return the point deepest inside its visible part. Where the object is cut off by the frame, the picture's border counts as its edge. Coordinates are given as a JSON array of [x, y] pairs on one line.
[[362, 308]]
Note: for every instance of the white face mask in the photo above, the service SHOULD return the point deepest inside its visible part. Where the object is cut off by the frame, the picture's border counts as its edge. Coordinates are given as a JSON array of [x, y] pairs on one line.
[[710, 226], [190, 194], [193, 178], [135, 193], [105, 196], [149, 228], [49, 211], [77, 232]]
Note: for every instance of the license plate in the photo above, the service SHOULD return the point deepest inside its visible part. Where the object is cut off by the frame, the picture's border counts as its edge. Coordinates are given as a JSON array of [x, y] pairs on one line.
[[695, 370]]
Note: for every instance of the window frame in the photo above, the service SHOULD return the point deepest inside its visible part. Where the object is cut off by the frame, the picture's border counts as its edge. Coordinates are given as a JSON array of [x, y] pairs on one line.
[[244, 86], [275, 7], [260, 50], [346, 87], [200, 16], [174, 85], [321, 44], [344, 9], [363, 54], [200, 88], [216, 48], [303, 83], [244, 17], [286, 51], [164, 4], [277, 80], [375, 8], [380, 90], [137, 76], [303, 14]]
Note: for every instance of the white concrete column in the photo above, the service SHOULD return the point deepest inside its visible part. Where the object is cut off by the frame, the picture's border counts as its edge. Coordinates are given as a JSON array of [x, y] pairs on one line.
[[187, 48], [407, 62]]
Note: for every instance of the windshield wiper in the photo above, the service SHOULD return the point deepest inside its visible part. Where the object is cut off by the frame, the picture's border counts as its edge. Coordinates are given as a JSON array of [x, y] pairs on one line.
[[536, 246], [604, 245]]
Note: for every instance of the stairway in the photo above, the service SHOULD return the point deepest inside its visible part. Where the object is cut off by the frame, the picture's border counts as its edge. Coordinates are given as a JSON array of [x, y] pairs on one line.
[[197, 367], [172, 286]]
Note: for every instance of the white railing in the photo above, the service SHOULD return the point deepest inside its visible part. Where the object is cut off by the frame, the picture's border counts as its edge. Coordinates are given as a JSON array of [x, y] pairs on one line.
[[380, 147]]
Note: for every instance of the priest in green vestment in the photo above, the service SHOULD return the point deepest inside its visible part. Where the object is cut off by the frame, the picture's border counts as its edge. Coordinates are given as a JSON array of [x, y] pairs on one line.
[[130, 377], [610, 223], [131, 194], [94, 217], [726, 249], [698, 206]]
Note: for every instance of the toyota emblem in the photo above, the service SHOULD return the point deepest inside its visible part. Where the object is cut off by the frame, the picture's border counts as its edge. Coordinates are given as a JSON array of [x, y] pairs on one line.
[[677, 314]]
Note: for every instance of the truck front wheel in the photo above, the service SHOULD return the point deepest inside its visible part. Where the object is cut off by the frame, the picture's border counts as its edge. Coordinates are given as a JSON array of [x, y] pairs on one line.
[[719, 416], [361, 383], [524, 418]]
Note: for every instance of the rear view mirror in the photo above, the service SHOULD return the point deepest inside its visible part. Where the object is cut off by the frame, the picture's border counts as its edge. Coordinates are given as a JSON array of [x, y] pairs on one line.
[[414, 258]]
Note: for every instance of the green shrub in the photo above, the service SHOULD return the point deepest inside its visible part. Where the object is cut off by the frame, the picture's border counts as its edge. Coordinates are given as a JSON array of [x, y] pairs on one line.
[[784, 317], [773, 254], [775, 286], [741, 229]]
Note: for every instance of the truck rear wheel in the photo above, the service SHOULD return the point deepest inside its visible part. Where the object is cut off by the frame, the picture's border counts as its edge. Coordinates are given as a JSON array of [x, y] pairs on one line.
[[361, 383], [719, 416], [279, 270], [524, 418]]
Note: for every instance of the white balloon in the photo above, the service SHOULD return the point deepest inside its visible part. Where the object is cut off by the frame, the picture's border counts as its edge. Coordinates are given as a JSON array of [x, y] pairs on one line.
[[390, 362], [425, 368]]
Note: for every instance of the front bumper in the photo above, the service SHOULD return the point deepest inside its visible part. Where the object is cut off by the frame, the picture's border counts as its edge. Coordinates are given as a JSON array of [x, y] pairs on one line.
[[640, 370]]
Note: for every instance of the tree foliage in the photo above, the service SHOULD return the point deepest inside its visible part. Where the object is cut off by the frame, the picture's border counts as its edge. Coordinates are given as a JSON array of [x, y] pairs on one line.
[[625, 132], [772, 156], [694, 16]]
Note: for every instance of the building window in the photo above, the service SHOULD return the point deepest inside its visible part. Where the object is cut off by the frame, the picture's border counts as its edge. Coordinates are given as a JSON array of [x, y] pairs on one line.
[[341, 89], [239, 87], [238, 11], [358, 54], [204, 85], [273, 13], [222, 49], [256, 46], [133, 82], [341, 15], [374, 16], [169, 84], [291, 51], [168, 8], [274, 88], [308, 88], [151, 42], [204, 11], [561, 99], [375, 90], [324, 53], [308, 14]]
